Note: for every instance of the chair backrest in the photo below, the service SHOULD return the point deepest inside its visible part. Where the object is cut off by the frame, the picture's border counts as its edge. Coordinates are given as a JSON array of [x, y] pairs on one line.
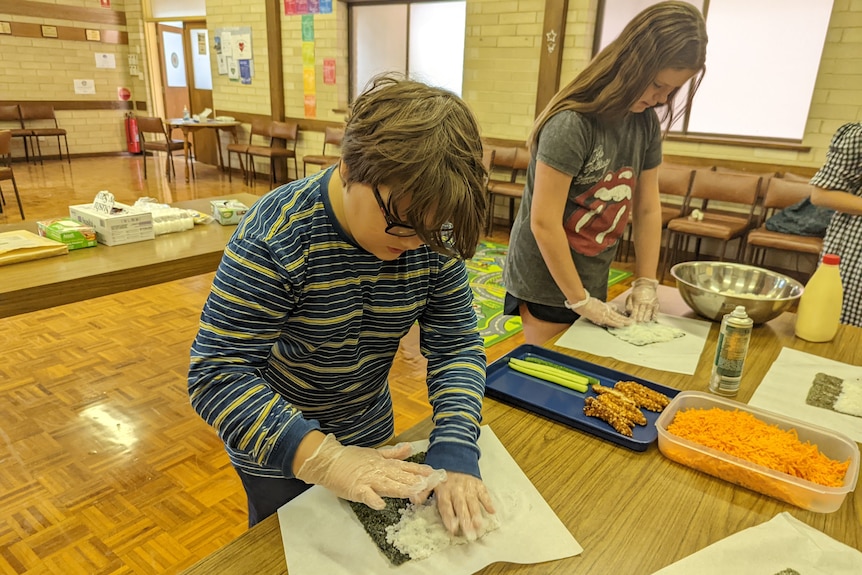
[[782, 193], [487, 161], [675, 180], [261, 127], [5, 142], [504, 158], [151, 125], [38, 112], [522, 160], [6, 155], [287, 131], [516, 159], [791, 177], [724, 187], [729, 188], [11, 113], [332, 136]]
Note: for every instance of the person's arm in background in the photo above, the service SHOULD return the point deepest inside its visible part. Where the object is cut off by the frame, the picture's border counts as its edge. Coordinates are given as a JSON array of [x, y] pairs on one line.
[[841, 173], [837, 200]]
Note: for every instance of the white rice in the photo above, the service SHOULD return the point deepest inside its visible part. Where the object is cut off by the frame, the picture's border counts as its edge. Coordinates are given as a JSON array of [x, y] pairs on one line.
[[420, 533], [849, 401], [646, 333]]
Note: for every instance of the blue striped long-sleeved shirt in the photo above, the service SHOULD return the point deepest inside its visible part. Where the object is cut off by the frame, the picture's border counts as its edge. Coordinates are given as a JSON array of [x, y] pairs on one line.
[[301, 327]]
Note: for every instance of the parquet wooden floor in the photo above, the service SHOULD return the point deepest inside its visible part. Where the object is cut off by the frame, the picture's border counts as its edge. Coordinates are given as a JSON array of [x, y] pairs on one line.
[[104, 466]]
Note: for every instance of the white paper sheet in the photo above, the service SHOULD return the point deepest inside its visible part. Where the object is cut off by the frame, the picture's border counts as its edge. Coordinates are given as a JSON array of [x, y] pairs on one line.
[[785, 387], [321, 534], [680, 355], [781, 543]]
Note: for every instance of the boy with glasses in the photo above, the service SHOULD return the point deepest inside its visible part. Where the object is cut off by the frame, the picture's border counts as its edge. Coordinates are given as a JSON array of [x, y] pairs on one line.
[[321, 280]]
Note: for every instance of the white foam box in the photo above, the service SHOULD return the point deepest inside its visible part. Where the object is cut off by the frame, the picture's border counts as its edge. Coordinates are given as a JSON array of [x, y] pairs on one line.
[[127, 224]]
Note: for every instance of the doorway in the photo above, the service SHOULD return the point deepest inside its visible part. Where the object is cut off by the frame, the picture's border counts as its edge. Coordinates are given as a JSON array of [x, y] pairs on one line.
[[186, 78]]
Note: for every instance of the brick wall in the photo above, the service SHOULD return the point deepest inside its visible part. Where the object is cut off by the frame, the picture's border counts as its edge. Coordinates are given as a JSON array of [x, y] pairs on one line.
[[503, 40]]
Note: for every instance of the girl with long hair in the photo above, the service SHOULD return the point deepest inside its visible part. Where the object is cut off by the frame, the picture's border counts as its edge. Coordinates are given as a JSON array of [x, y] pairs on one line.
[[596, 149]]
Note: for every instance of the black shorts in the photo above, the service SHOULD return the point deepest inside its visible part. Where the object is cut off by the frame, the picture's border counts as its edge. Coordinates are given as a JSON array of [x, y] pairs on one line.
[[543, 312]]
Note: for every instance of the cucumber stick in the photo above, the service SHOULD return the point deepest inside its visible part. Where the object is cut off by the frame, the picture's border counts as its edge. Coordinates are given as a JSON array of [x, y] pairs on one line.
[[546, 362], [560, 377]]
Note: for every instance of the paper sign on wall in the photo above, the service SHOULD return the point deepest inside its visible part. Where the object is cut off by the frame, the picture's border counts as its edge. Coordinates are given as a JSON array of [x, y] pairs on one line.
[[85, 86], [241, 46], [105, 60], [329, 70]]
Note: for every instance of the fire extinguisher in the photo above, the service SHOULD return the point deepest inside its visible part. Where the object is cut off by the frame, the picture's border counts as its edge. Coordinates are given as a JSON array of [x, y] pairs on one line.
[[132, 142]]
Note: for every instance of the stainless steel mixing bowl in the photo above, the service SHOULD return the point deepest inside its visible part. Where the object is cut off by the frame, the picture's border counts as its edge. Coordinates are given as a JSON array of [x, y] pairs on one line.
[[713, 289]]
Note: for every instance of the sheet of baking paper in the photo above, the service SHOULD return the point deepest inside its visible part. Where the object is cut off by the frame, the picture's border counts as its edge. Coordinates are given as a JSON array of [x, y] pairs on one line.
[[785, 387], [679, 355], [770, 548], [321, 534]]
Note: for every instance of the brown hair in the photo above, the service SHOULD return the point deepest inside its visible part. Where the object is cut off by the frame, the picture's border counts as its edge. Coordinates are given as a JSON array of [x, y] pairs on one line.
[[423, 142], [665, 35]]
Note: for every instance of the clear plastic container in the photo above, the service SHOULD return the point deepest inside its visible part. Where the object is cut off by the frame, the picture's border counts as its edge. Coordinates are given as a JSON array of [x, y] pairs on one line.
[[793, 490]]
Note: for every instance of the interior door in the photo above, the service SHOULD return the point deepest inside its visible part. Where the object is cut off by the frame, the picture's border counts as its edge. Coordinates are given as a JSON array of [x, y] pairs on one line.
[[175, 84], [201, 88]]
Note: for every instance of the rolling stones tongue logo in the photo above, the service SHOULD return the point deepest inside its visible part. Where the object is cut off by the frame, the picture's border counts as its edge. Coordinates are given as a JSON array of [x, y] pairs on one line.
[[602, 213]]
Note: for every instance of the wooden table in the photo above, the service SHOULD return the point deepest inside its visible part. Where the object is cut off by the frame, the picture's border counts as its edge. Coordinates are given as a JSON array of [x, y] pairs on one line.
[[103, 270], [190, 126], [632, 512]]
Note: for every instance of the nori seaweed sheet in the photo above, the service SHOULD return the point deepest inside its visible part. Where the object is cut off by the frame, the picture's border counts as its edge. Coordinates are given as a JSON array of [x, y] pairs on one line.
[[825, 389], [375, 522]]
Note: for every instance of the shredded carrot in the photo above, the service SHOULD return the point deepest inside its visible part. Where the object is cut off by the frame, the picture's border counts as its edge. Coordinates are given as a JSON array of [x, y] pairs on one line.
[[742, 435]]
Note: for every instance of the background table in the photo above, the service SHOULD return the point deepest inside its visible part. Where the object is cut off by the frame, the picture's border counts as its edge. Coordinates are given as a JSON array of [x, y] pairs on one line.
[[632, 512], [190, 126], [103, 270]]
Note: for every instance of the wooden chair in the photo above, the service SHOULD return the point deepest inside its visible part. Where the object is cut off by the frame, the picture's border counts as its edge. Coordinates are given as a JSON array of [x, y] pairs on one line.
[[282, 144], [6, 172], [780, 194], [260, 127], [674, 183], [331, 137], [514, 160], [42, 113], [12, 115], [738, 196], [160, 141]]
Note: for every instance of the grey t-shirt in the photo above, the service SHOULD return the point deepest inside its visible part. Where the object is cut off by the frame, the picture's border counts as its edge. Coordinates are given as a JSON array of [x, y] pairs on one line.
[[605, 160]]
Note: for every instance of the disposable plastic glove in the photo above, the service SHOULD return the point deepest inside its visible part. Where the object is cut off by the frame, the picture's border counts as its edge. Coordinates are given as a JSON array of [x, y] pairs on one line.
[[599, 312], [460, 500], [367, 475], [642, 303]]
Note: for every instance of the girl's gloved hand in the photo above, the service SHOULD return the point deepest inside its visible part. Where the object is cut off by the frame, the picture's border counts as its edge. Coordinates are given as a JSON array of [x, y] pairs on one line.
[[599, 312], [366, 475], [642, 303]]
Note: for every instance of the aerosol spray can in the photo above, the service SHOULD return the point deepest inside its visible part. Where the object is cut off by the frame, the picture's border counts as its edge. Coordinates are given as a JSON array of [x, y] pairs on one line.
[[733, 338]]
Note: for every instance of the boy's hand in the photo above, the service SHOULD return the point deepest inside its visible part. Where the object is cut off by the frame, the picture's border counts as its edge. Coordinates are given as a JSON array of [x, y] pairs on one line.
[[366, 475], [460, 500]]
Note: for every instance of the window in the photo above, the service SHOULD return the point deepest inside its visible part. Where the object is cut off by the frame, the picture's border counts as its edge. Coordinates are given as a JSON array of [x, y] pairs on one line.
[[761, 64], [424, 40]]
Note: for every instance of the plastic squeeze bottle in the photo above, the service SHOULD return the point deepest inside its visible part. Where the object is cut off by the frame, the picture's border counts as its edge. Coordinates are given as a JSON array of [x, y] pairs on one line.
[[819, 312]]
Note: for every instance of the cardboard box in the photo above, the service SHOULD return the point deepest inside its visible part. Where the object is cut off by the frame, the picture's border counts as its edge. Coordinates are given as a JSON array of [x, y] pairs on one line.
[[68, 231], [125, 225], [228, 212]]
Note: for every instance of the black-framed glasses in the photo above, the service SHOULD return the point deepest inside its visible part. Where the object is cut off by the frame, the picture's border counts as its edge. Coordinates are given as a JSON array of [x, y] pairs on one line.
[[395, 227]]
